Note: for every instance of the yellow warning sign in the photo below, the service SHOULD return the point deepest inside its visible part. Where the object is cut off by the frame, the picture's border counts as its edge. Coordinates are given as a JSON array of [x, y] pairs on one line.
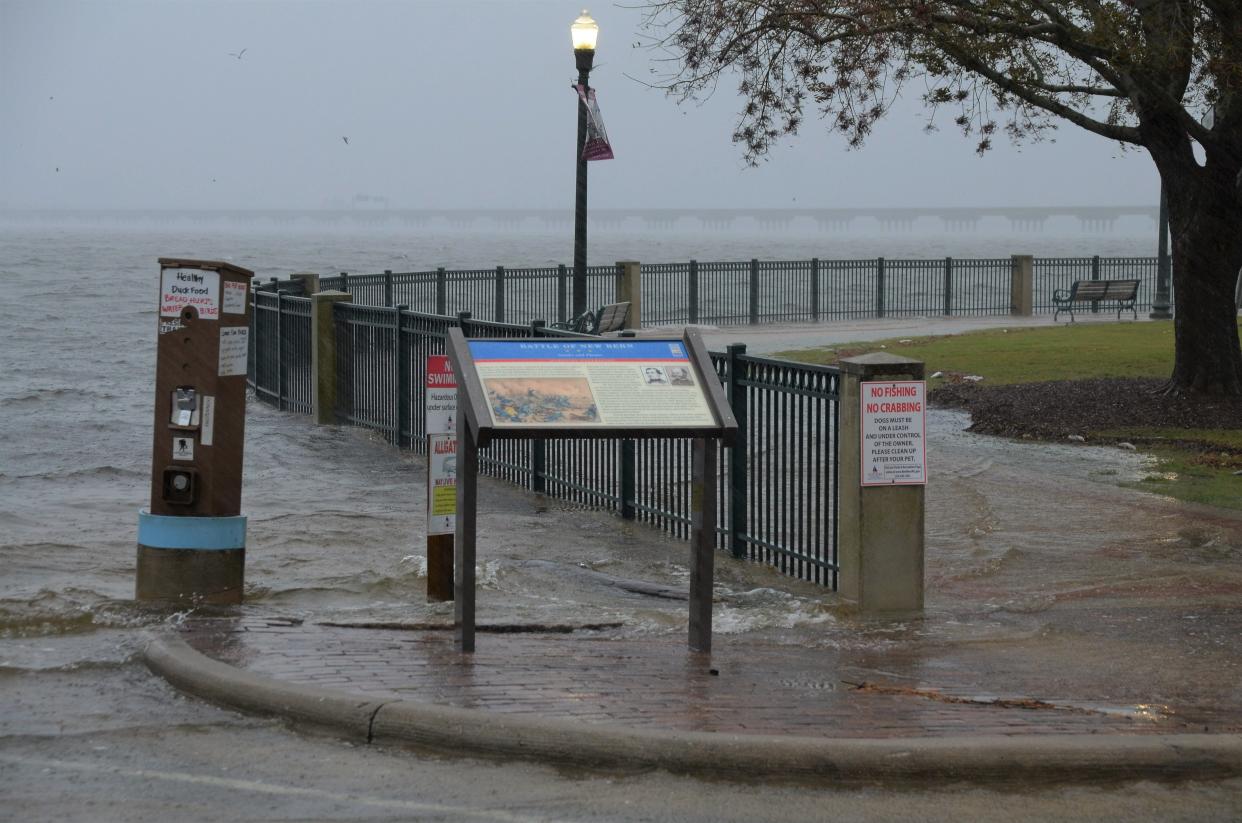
[[443, 501]]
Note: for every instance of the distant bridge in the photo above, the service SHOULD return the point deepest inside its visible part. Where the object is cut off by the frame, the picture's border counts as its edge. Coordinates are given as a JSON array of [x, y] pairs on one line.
[[1093, 219]]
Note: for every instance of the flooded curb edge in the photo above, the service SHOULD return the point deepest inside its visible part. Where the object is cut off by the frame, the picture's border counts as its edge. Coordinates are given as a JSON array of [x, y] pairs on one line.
[[1069, 758]]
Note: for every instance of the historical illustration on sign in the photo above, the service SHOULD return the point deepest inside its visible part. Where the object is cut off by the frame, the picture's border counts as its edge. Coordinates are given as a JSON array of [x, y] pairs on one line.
[[542, 400], [604, 383]]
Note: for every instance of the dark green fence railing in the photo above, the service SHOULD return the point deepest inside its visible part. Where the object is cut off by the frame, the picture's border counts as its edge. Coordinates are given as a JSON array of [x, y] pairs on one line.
[[777, 486], [741, 293]]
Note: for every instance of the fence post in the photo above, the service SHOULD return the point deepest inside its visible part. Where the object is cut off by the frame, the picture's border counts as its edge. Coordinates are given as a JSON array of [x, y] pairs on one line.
[[738, 455], [630, 290], [280, 351], [323, 354], [388, 288], [463, 322], [879, 528], [499, 310], [309, 281], [441, 292], [539, 466], [252, 341], [948, 285], [754, 292], [694, 291], [345, 282], [402, 362], [629, 488], [815, 289], [1095, 275], [879, 287], [538, 448], [562, 278], [1021, 285]]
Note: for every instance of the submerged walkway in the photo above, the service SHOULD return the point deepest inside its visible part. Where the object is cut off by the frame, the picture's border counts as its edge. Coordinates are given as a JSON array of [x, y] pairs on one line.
[[1074, 627]]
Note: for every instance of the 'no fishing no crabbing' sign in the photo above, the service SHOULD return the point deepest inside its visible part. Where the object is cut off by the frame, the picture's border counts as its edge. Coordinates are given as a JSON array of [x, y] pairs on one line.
[[894, 433]]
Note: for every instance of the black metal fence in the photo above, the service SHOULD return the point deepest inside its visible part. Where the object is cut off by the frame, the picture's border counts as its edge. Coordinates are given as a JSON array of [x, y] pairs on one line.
[[280, 350], [777, 486], [739, 293]]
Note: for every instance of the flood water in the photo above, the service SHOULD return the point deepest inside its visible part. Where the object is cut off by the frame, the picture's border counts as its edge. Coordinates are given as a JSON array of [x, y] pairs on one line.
[[335, 520]]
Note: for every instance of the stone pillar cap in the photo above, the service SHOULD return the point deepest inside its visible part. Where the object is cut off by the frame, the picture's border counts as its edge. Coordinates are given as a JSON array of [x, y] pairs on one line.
[[881, 363]]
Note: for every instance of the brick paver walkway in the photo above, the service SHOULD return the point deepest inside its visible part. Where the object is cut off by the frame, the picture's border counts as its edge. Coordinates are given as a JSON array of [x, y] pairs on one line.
[[743, 687]]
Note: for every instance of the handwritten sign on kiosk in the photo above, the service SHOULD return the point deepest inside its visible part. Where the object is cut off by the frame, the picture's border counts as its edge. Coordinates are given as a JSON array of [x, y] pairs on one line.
[[182, 287]]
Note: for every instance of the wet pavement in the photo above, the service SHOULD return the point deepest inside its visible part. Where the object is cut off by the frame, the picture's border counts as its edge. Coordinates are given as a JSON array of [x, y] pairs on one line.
[[1058, 601], [744, 688]]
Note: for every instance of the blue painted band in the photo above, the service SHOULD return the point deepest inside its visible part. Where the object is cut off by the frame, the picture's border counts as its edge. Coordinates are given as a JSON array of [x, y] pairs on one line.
[[158, 531]]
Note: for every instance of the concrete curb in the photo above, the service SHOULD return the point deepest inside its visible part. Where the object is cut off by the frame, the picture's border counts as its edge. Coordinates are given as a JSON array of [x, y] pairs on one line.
[[1075, 758]]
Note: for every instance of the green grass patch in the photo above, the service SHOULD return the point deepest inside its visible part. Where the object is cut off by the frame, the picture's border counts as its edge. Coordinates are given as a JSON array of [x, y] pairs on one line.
[[1195, 465], [1196, 477], [1208, 439], [1028, 355]]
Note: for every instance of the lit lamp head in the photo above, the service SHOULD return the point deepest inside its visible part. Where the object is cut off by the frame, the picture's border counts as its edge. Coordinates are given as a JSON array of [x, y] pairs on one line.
[[584, 33]]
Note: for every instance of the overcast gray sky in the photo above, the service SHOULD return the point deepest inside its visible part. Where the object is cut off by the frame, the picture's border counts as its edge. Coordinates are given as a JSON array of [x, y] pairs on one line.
[[446, 103]]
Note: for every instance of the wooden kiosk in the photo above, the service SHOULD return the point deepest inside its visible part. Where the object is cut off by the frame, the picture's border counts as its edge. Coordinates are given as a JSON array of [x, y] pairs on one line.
[[560, 388]]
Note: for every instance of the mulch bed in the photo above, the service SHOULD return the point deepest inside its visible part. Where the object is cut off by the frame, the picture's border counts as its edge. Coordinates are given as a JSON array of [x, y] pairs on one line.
[[1060, 409]]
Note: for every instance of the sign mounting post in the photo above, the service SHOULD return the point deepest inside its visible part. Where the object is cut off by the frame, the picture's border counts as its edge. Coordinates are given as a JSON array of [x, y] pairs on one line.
[[614, 388]]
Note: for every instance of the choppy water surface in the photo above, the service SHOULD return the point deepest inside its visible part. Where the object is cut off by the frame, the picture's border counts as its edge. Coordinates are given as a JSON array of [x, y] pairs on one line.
[[335, 515]]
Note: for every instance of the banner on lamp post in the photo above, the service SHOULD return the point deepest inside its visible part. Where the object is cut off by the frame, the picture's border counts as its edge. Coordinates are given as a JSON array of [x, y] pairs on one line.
[[597, 146]]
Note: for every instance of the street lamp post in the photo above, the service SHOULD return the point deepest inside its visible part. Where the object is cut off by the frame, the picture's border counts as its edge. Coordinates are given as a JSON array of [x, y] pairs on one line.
[[583, 32], [1160, 303]]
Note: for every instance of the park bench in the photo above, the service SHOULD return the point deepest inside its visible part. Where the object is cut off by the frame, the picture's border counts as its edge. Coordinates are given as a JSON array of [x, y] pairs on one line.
[[605, 319], [1122, 293]]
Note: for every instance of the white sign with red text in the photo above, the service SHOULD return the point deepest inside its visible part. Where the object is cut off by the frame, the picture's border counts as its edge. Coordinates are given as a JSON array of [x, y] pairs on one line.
[[894, 433], [441, 403], [182, 288]]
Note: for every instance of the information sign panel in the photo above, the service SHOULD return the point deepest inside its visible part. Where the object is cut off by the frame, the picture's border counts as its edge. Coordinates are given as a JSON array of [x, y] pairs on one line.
[[441, 394], [588, 384], [894, 433], [442, 484]]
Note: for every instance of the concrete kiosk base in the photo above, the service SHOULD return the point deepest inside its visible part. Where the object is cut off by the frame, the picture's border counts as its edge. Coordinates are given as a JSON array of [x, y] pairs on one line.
[[191, 559]]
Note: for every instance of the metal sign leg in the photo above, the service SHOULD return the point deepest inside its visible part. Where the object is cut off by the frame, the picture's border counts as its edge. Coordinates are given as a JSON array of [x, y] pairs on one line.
[[464, 544], [702, 543]]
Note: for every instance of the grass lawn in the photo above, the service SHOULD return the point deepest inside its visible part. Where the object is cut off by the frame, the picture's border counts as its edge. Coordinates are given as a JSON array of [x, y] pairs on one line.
[[1029, 355], [1194, 464]]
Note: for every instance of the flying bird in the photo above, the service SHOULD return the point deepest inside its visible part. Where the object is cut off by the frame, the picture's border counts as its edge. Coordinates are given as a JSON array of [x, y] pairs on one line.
[[237, 54], [346, 139]]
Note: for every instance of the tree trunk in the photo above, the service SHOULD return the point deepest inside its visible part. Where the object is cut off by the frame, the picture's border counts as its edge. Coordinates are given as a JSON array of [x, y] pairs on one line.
[[1205, 219]]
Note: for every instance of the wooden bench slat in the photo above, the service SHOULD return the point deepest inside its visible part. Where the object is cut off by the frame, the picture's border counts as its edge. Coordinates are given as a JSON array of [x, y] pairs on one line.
[[612, 317], [1121, 292]]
